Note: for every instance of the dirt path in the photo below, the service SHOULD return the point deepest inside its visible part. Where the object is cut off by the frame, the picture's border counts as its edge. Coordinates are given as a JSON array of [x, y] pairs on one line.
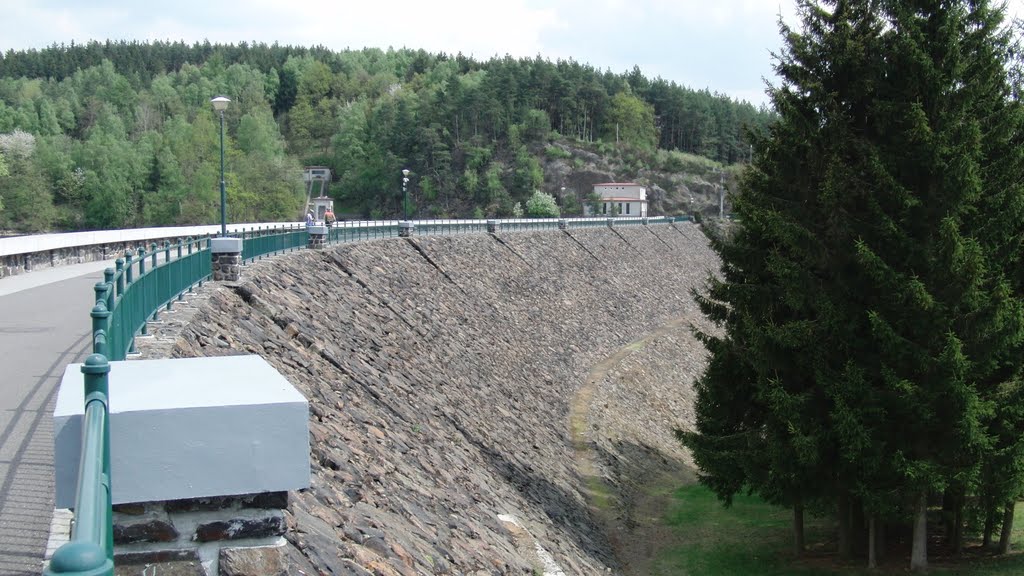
[[622, 423]]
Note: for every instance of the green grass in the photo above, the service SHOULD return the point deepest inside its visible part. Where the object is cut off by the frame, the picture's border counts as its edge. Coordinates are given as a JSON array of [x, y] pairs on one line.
[[754, 538]]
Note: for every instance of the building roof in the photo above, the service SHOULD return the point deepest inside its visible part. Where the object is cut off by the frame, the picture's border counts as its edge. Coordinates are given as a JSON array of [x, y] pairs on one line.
[[617, 184], [622, 199]]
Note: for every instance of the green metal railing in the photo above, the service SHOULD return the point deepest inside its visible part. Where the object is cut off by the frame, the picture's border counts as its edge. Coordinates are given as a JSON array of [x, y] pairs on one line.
[[260, 242], [144, 283], [90, 551], [358, 231]]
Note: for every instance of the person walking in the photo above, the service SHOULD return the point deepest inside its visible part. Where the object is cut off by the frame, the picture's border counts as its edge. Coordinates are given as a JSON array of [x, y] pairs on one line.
[[329, 218], [309, 219]]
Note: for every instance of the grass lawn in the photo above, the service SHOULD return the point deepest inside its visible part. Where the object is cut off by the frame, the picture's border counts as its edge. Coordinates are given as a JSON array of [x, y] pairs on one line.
[[754, 538]]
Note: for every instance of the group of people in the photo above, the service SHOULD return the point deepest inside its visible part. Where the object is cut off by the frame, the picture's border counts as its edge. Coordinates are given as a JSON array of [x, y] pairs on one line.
[[329, 218]]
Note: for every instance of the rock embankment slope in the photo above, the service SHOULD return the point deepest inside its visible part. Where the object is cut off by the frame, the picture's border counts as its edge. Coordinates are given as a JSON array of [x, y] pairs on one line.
[[440, 373]]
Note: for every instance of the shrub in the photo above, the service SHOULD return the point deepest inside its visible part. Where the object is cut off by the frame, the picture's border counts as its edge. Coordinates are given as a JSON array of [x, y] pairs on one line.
[[542, 205], [556, 153]]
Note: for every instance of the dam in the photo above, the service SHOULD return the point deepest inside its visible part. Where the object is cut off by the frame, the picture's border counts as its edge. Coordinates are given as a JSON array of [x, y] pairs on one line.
[[456, 425]]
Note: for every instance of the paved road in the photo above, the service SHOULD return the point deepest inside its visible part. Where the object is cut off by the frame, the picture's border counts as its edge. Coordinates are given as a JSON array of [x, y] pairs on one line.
[[44, 326]]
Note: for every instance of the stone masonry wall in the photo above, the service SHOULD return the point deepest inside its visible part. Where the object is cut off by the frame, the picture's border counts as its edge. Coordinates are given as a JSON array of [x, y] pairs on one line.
[[440, 372], [14, 264]]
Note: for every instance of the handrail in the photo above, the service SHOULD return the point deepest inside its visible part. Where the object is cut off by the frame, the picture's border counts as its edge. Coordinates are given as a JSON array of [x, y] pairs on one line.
[[90, 552], [130, 295]]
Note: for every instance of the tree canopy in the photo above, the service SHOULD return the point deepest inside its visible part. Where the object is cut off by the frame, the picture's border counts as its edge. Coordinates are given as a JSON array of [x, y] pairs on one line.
[[125, 135]]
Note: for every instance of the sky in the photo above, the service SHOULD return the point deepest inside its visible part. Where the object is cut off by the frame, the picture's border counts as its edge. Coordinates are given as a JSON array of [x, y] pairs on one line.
[[724, 46]]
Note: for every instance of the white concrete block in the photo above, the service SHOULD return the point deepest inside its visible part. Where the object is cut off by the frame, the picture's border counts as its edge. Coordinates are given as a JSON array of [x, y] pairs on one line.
[[189, 428], [226, 245]]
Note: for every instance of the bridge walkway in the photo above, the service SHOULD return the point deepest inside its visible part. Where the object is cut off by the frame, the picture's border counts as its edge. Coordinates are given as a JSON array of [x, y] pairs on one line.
[[44, 326]]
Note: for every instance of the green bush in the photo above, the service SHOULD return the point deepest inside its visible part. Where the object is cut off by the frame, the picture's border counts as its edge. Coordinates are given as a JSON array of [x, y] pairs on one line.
[[556, 153], [542, 205]]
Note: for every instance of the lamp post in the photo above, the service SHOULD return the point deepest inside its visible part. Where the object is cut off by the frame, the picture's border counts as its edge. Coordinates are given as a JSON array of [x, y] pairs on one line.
[[405, 193], [220, 104]]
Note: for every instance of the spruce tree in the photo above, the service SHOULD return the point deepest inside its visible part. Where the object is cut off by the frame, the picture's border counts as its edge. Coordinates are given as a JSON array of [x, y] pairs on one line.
[[870, 319]]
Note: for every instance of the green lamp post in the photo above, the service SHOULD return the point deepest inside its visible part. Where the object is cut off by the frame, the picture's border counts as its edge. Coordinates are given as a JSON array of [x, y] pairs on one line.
[[220, 104], [405, 193]]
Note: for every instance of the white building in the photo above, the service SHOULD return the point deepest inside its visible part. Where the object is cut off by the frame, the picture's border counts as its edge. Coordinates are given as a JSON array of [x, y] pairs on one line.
[[619, 199]]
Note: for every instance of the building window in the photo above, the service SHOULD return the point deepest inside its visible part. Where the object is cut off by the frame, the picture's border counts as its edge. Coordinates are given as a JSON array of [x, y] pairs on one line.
[[604, 208], [627, 207], [620, 207]]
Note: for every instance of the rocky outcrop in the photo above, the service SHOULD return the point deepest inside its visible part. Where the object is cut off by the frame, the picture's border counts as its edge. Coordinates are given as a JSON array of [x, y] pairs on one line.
[[440, 373]]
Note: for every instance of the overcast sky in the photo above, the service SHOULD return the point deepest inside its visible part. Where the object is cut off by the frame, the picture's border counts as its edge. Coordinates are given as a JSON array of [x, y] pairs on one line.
[[722, 45]]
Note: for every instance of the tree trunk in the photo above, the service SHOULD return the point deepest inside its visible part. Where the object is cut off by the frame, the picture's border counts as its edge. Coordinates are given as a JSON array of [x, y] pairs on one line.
[[798, 529], [990, 525], [858, 528], [1004, 537], [956, 539], [880, 544], [919, 547], [872, 560], [843, 514]]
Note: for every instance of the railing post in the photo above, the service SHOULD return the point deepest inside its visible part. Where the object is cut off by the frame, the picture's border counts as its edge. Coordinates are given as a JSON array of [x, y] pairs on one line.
[[128, 256], [96, 370], [199, 244], [108, 279], [119, 264], [153, 285], [100, 319], [181, 274], [167, 275], [142, 271]]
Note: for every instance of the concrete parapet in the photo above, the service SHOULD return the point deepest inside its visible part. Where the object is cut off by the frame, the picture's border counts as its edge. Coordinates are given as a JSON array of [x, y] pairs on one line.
[[189, 428]]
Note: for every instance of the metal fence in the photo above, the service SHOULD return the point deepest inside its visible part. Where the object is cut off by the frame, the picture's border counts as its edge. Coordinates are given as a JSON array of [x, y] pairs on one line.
[[145, 283]]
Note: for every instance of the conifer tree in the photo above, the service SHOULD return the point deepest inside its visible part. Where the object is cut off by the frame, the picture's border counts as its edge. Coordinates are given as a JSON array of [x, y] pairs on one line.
[[870, 318]]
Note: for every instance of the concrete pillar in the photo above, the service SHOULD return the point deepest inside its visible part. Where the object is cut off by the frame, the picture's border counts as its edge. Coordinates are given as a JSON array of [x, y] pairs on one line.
[[226, 256], [493, 227], [644, 221], [317, 237], [405, 229]]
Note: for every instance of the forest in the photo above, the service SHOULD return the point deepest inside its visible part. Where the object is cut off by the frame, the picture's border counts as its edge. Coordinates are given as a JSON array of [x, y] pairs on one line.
[[122, 134]]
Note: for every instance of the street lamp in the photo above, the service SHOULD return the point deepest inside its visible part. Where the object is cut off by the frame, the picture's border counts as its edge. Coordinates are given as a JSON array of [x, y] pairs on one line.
[[220, 104], [405, 193]]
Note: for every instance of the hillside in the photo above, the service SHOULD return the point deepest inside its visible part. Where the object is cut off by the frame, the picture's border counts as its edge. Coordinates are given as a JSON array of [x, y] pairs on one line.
[[114, 135], [451, 388]]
